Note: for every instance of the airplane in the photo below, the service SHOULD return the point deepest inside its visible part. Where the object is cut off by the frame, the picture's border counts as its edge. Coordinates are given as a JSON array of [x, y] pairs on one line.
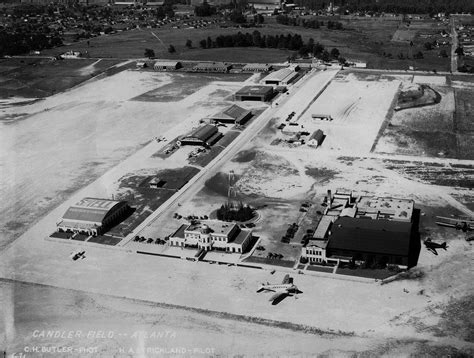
[[283, 290], [432, 246], [77, 254]]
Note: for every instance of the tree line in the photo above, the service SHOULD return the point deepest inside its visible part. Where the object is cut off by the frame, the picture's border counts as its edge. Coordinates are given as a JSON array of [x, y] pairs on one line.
[[308, 23], [21, 43], [288, 41]]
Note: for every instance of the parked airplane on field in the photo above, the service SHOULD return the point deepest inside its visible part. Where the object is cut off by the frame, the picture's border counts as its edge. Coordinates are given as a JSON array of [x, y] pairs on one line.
[[285, 289], [77, 254], [432, 246]]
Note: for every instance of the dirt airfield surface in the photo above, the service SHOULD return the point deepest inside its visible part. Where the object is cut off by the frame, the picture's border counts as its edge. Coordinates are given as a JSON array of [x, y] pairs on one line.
[[209, 306]]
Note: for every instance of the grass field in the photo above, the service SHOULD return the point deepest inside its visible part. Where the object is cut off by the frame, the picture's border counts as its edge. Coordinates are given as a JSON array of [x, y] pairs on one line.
[[35, 77], [363, 39], [185, 84], [449, 134]]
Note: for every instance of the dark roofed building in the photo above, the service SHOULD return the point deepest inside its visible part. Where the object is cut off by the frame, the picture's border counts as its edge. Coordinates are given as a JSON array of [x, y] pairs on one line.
[[92, 216], [232, 114], [373, 241], [205, 135], [254, 93], [316, 138]]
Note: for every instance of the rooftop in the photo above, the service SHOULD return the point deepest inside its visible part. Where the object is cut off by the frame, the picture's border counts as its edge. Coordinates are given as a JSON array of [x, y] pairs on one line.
[[204, 132], [281, 75], [91, 210], [241, 237], [233, 112], [399, 209], [318, 135], [166, 63], [255, 90], [216, 226], [368, 235]]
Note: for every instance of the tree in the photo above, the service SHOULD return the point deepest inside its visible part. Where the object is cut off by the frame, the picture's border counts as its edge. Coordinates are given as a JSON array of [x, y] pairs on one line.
[[428, 46], [418, 55], [237, 17], [149, 53], [189, 44], [459, 51], [335, 53], [171, 49], [443, 53], [325, 56], [203, 43]]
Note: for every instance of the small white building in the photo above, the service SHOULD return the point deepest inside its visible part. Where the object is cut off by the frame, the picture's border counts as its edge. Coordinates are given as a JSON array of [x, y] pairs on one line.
[[315, 251]]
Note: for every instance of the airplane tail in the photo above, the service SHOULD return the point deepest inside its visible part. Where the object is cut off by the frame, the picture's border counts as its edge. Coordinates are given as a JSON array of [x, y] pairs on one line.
[[443, 245]]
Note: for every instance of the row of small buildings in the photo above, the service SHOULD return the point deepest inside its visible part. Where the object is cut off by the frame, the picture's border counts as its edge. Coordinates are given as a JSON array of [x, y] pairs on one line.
[[281, 77], [367, 229]]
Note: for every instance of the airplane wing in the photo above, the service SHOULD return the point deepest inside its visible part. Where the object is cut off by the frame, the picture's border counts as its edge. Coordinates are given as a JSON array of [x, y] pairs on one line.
[[278, 297], [286, 279]]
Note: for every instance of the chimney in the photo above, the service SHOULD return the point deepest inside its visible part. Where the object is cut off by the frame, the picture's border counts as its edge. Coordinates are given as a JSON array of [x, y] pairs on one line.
[[329, 197]]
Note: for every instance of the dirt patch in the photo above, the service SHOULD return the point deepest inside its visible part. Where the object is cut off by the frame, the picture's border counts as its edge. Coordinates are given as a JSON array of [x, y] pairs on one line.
[[322, 175], [426, 172], [245, 156], [458, 319]]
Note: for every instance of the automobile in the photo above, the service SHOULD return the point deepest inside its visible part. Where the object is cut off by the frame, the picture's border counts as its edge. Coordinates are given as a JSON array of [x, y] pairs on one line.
[[469, 238]]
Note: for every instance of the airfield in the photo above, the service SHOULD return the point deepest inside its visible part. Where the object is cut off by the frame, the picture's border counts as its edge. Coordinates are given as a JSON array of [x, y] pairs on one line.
[[362, 151]]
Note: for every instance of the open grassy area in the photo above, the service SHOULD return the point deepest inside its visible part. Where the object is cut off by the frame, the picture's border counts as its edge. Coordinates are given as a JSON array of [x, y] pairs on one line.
[[39, 77], [365, 39]]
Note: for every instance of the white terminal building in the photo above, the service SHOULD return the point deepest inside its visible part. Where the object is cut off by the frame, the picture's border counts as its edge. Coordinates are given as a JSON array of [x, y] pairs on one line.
[[212, 234]]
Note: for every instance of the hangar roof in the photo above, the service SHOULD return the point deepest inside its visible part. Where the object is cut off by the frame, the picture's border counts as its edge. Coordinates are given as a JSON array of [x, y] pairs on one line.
[[91, 210], [167, 63], [255, 90], [233, 112], [203, 133], [281, 75], [371, 235]]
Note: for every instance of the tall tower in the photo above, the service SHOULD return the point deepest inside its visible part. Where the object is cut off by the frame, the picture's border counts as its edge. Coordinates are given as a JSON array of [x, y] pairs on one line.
[[231, 191]]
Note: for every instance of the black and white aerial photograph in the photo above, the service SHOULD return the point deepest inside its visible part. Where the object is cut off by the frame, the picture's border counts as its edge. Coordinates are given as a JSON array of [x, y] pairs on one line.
[[236, 178]]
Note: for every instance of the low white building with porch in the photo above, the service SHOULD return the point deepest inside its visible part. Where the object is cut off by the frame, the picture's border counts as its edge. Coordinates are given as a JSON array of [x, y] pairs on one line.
[[212, 235]]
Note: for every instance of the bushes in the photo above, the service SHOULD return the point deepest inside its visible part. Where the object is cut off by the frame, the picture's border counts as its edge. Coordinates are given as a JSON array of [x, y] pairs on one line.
[[231, 212]]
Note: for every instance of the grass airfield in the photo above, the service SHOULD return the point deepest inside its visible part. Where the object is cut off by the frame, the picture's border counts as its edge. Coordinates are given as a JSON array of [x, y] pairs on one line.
[[424, 316]]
